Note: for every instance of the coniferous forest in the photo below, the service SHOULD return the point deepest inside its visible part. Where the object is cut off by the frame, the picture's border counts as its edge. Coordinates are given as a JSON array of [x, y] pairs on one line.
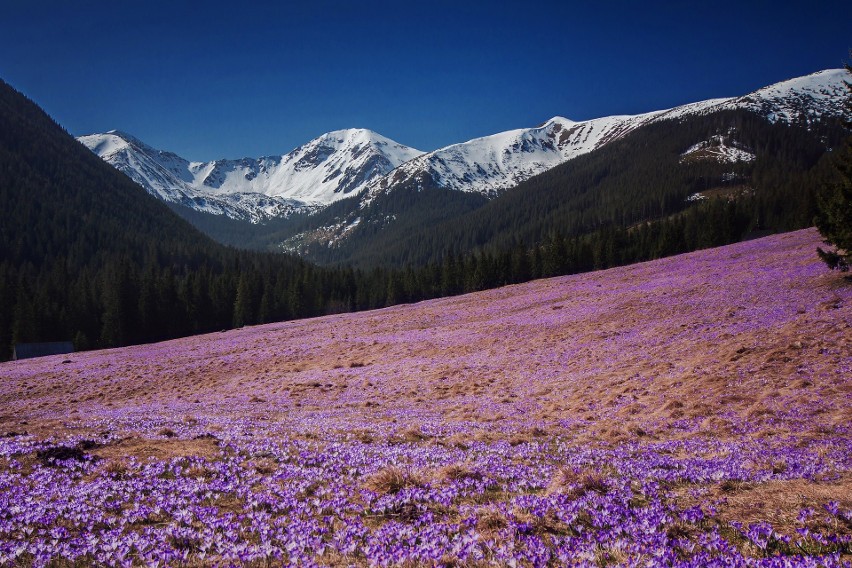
[[87, 255]]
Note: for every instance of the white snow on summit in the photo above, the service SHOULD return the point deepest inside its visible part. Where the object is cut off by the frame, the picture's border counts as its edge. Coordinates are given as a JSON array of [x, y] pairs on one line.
[[360, 162], [320, 172], [802, 99], [500, 161], [330, 167], [490, 164]]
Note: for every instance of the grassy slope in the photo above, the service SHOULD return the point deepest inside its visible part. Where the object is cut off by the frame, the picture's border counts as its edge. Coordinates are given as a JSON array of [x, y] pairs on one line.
[[703, 329]]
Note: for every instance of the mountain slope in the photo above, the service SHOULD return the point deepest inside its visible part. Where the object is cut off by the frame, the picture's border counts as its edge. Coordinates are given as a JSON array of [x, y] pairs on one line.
[[493, 163], [769, 171], [45, 177], [387, 207], [662, 158], [87, 255], [324, 170]]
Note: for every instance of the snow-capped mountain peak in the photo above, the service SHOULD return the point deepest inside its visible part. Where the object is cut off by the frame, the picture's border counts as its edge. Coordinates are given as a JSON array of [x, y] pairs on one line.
[[361, 162], [493, 163], [163, 174], [330, 167]]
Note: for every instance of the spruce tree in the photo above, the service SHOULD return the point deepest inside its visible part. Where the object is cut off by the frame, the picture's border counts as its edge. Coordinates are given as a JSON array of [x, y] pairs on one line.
[[243, 312], [834, 217]]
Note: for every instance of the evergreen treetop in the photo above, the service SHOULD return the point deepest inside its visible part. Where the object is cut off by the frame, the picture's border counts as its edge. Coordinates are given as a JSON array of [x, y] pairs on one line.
[[834, 217]]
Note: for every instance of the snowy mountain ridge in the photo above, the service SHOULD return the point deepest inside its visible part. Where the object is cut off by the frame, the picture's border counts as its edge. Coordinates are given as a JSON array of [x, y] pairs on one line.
[[361, 162], [493, 163], [330, 167]]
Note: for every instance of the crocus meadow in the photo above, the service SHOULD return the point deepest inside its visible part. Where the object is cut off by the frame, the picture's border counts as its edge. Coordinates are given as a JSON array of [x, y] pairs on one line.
[[691, 411]]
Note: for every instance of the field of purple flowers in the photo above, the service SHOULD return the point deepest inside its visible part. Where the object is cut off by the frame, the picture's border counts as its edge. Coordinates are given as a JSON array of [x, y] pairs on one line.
[[692, 411]]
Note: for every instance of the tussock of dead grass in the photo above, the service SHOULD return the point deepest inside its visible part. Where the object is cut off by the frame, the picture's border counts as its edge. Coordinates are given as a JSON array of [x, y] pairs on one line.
[[490, 520], [457, 472], [610, 555], [577, 483], [364, 436], [518, 439], [446, 561], [459, 441], [391, 479], [115, 469], [142, 448], [532, 435], [540, 524], [414, 434], [563, 479], [200, 472], [265, 466]]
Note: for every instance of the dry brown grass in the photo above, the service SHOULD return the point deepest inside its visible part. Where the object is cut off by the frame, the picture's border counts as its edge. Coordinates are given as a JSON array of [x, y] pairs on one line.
[[446, 561], [391, 479], [610, 555], [577, 483], [115, 469], [264, 466], [779, 502], [490, 520], [413, 434], [460, 441], [142, 448], [200, 472], [457, 472], [364, 436]]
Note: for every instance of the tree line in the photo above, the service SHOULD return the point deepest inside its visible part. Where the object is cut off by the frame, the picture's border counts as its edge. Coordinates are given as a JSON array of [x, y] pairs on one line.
[[121, 302]]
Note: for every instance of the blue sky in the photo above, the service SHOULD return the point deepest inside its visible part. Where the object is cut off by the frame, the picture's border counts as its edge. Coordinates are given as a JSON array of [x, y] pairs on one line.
[[232, 79]]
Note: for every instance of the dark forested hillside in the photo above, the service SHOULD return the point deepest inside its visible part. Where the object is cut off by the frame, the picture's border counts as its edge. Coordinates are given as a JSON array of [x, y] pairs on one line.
[[241, 233], [87, 255]]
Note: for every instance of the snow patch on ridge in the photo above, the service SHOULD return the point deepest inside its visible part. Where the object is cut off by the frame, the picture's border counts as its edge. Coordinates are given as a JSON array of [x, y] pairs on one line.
[[719, 150]]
